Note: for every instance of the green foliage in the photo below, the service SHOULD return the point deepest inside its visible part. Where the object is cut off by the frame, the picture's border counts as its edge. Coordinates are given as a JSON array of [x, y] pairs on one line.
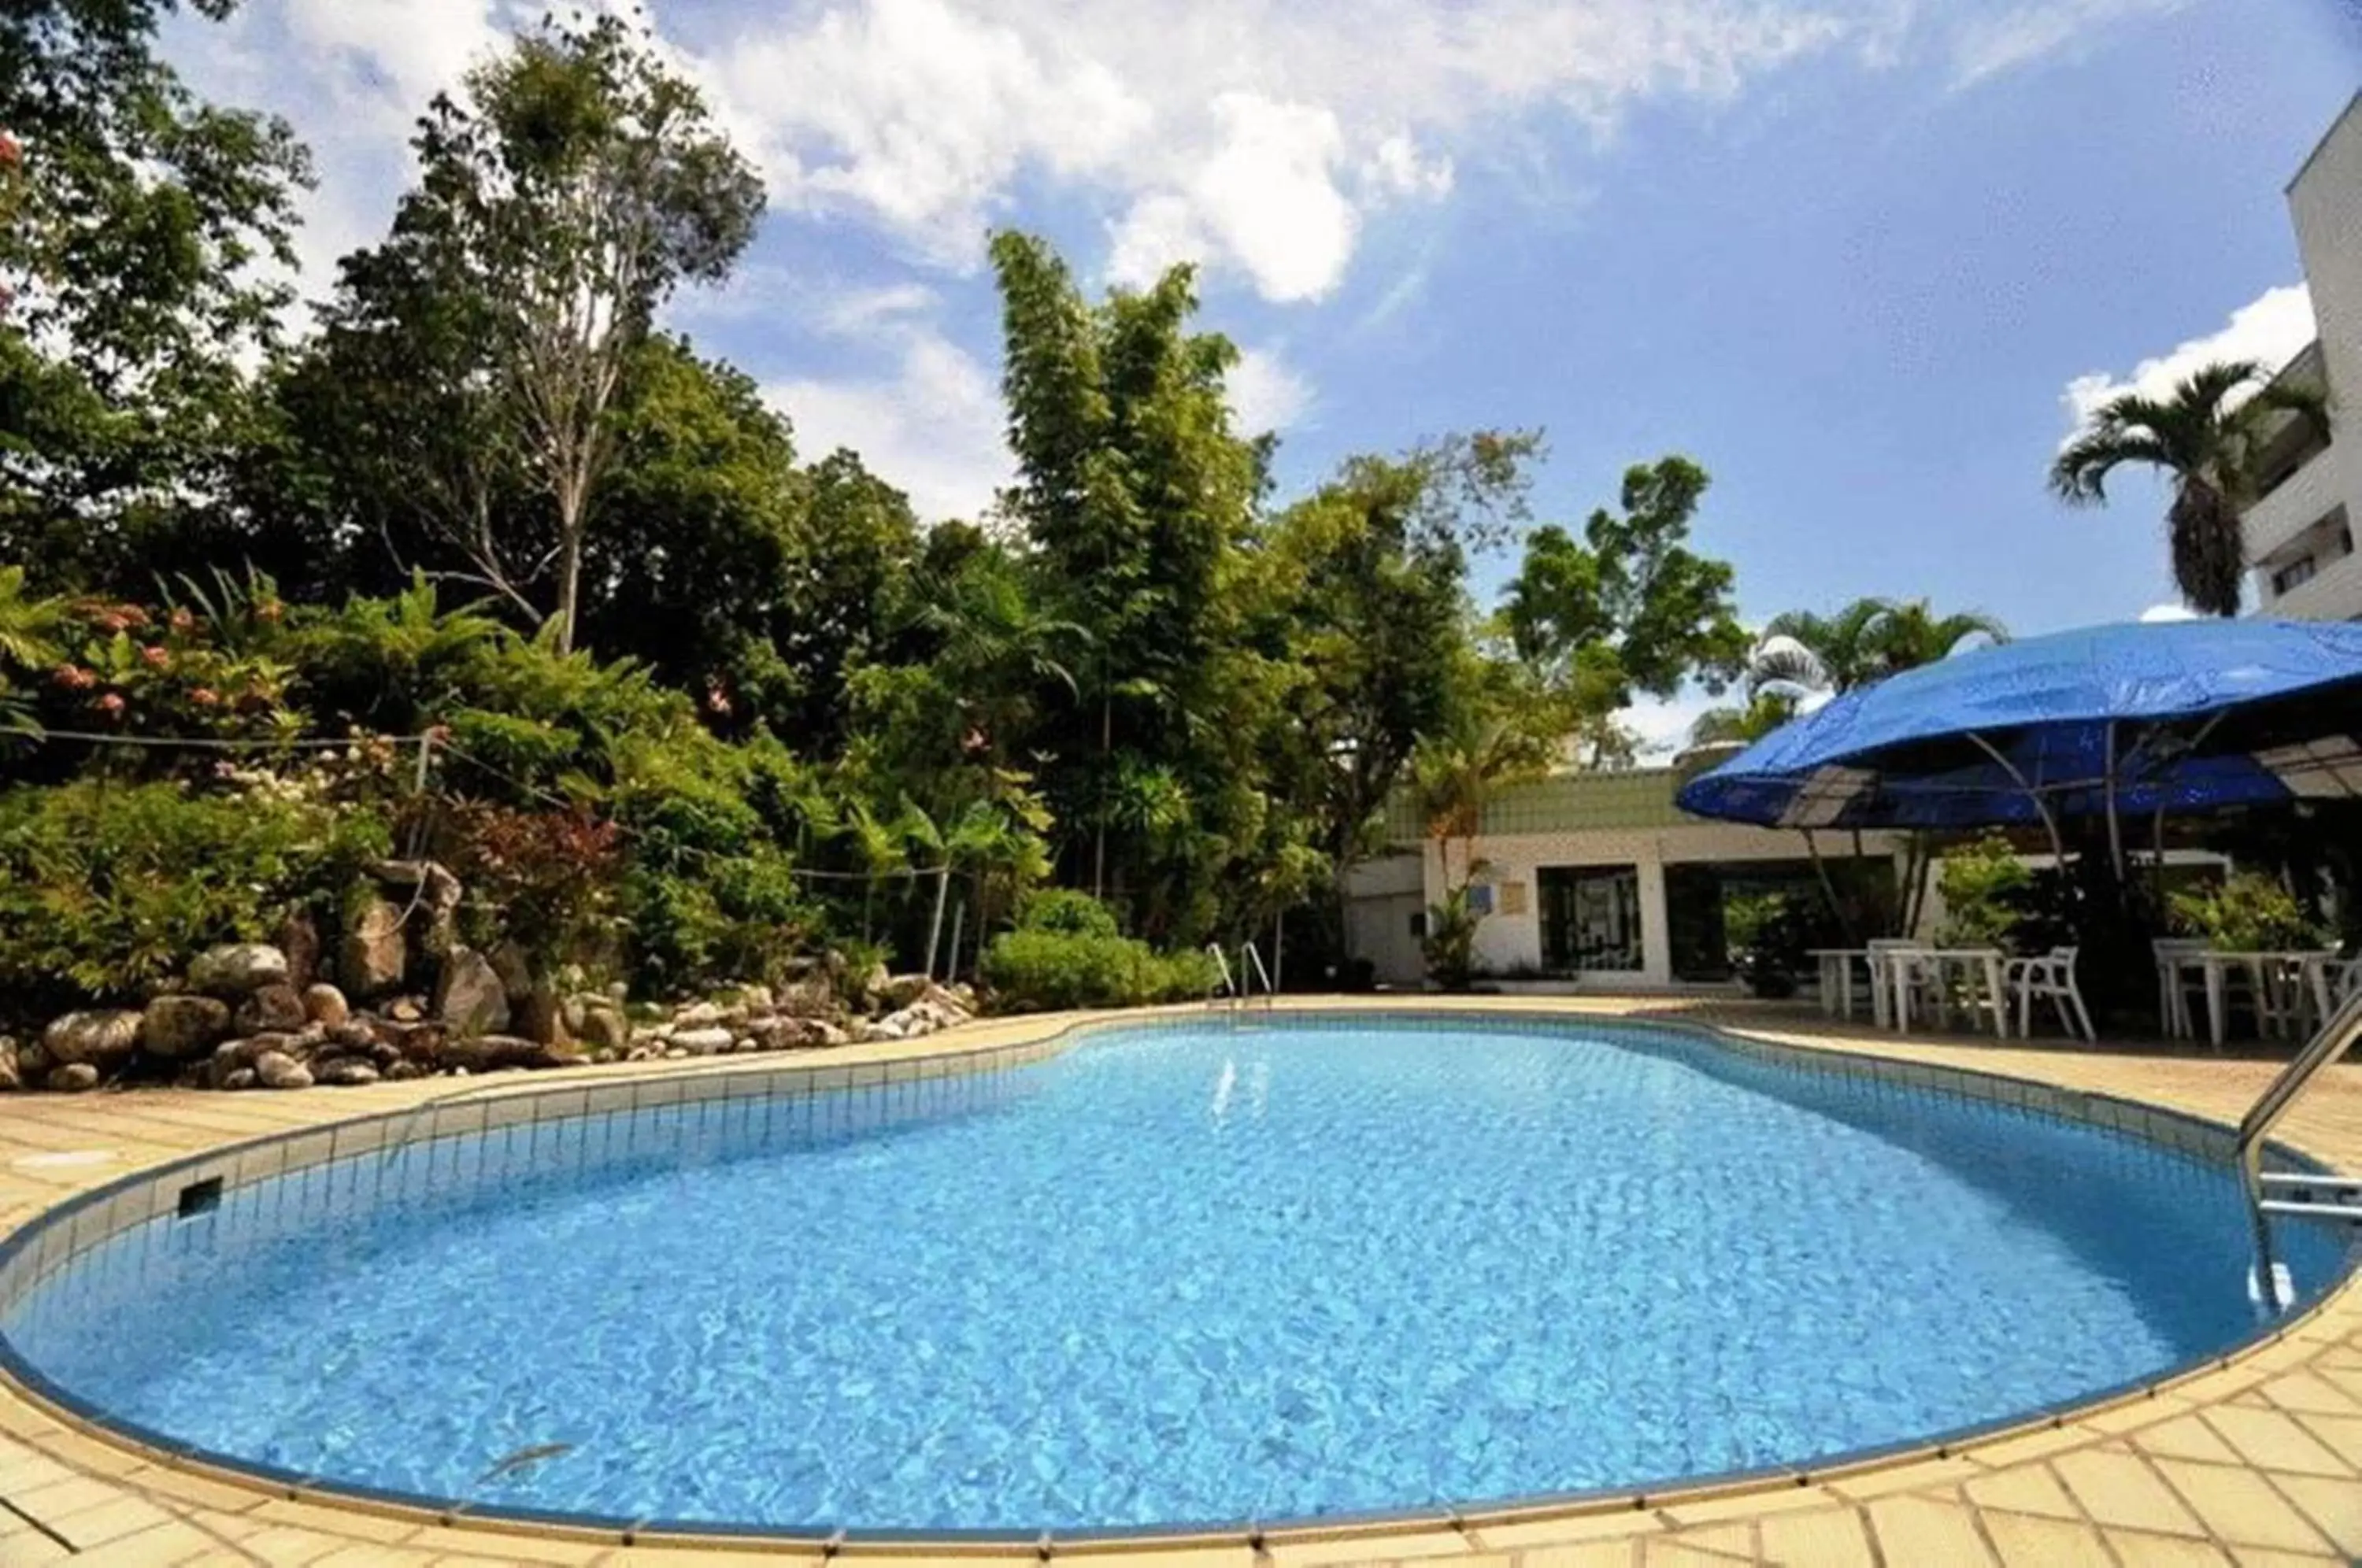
[[1770, 937], [1030, 969], [1066, 913], [107, 888], [2248, 913], [1450, 945], [1984, 886]]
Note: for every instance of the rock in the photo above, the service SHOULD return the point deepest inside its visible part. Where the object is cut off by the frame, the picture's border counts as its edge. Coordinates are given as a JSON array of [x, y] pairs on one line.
[[699, 1015], [421, 1042], [701, 1042], [299, 940], [754, 999], [103, 1040], [541, 1017], [237, 968], [832, 1035], [178, 1027], [468, 995], [346, 1071], [12, 1076], [326, 1005], [434, 893], [902, 991], [496, 1053], [32, 1060], [402, 1072], [242, 1078], [73, 1078], [406, 1009], [807, 998], [353, 1034], [272, 1009], [374, 954], [277, 1069], [948, 1003], [673, 1053], [604, 1027], [516, 975]]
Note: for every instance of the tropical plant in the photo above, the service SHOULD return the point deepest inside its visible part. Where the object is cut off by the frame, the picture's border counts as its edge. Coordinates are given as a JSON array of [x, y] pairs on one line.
[[1449, 947], [1984, 886], [2206, 436], [2247, 914], [1909, 635]]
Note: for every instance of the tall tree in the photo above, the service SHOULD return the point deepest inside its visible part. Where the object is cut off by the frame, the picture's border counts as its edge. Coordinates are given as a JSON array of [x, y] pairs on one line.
[[139, 227], [1367, 583], [1629, 609], [1910, 634], [2205, 437], [562, 200], [1136, 493]]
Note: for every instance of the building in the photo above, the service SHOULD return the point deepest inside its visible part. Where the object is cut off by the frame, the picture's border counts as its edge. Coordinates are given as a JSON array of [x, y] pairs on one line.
[[1592, 880], [2300, 531]]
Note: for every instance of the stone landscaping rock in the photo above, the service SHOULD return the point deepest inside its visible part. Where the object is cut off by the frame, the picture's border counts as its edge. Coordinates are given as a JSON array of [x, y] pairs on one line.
[[275, 1008], [468, 995], [508, 962], [434, 894], [605, 1027], [808, 999], [73, 1077], [237, 968], [347, 1070], [326, 1005], [11, 1075], [374, 954], [902, 991], [495, 1053], [105, 1040], [243, 1078], [699, 1015], [405, 1010], [299, 940], [178, 1027], [540, 1016], [277, 1069], [700, 1042]]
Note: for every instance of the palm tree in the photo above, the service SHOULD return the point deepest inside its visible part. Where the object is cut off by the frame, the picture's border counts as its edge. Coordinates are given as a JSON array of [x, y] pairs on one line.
[[1910, 634], [1817, 655], [2207, 438], [1456, 772], [1765, 712]]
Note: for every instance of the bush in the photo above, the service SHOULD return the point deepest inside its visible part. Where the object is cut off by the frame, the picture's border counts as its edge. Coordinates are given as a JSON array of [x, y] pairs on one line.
[[1030, 969], [105, 890], [1066, 911], [1449, 944], [1769, 938], [2249, 913], [1984, 886]]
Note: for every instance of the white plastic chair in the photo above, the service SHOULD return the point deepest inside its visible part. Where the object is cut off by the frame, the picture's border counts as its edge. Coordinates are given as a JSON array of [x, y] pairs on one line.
[[2051, 976], [1879, 954], [2178, 973]]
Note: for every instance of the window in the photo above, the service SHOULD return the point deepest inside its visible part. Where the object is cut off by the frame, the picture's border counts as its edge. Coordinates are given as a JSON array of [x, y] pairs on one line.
[[1418, 925], [2296, 572], [1480, 899], [1591, 918]]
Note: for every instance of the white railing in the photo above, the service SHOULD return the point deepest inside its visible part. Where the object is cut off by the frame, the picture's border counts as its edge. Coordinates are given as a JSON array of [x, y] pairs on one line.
[[2335, 1038]]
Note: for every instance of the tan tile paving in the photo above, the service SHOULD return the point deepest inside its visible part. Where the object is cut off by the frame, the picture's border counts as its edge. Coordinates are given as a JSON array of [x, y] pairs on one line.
[[2260, 1466]]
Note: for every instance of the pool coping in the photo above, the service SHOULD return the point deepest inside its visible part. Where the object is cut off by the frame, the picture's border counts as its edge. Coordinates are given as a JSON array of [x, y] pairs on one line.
[[1028, 1040]]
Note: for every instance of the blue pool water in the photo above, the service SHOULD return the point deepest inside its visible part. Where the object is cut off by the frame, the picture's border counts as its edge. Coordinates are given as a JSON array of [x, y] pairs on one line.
[[1176, 1275]]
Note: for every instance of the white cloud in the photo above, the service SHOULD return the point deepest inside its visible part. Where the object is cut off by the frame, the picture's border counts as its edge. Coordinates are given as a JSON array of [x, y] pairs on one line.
[[1266, 393], [930, 424], [1999, 41], [2157, 612], [2270, 330]]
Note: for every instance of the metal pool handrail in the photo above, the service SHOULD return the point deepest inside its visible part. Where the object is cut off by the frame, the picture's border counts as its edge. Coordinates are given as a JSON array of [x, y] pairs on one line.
[[1250, 969], [2335, 1038], [1227, 989]]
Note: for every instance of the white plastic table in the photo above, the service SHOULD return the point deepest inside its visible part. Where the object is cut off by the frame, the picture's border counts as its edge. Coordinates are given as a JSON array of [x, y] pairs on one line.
[[1836, 979], [2309, 963], [1979, 963]]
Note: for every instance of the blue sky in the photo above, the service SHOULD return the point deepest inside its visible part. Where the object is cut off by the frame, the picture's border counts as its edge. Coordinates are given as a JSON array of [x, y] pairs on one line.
[[1857, 257]]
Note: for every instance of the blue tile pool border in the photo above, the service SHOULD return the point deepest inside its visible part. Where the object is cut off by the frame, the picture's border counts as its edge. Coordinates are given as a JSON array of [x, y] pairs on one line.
[[60, 1237]]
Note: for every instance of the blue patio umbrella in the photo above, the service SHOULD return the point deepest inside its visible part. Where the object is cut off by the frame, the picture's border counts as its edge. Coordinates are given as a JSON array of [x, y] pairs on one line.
[[2140, 719]]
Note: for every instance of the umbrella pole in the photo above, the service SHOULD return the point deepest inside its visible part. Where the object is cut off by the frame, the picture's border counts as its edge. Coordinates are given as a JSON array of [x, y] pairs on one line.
[[1829, 887], [2049, 822], [2115, 826]]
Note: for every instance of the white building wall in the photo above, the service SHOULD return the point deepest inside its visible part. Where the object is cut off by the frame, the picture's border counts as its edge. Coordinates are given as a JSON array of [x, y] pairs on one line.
[[2326, 205]]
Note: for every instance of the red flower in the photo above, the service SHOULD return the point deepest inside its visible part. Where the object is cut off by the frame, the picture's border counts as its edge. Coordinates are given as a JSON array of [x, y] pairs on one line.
[[113, 621], [206, 697], [74, 678], [154, 657], [12, 156], [112, 705], [182, 621]]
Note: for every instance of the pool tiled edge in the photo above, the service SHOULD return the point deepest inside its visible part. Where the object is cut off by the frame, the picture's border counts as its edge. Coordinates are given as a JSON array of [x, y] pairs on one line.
[[2263, 1454]]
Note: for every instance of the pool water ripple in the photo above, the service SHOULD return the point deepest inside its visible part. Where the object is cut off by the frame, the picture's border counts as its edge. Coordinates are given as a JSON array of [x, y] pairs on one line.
[[1183, 1274]]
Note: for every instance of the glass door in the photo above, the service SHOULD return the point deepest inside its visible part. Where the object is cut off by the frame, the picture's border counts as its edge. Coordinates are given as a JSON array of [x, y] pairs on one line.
[[1591, 918]]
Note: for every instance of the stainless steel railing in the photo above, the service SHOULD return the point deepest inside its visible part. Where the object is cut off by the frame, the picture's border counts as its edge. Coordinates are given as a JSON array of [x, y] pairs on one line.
[[2323, 1051]]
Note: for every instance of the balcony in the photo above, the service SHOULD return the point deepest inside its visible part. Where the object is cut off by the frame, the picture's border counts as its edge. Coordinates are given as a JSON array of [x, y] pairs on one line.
[[2305, 497]]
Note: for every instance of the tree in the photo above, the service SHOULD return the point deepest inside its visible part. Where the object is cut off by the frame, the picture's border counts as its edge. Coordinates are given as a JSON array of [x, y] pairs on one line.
[[576, 188], [1365, 581], [1136, 496], [2207, 436], [139, 228], [1630, 609], [1910, 634]]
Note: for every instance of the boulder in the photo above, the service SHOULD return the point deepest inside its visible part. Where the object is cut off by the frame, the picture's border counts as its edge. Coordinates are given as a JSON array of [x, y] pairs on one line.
[[491, 1053], [702, 1042], [807, 998], [420, 1042], [237, 968], [273, 1009], [73, 1078], [345, 1071], [605, 1027], [242, 1078], [541, 1017], [406, 1009], [374, 954], [324, 1005], [946, 1001], [699, 1015], [901, 991], [12, 1076], [277, 1069], [32, 1060], [468, 995], [353, 1036], [236, 1055], [832, 1035], [178, 1027], [434, 894], [516, 974], [299, 940], [103, 1040]]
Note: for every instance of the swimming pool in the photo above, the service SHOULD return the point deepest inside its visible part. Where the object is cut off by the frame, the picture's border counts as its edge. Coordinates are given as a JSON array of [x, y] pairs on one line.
[[1176, 1274]]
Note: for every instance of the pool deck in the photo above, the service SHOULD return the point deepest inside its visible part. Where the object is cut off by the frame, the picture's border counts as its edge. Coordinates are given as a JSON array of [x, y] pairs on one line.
[[2257, 1463]]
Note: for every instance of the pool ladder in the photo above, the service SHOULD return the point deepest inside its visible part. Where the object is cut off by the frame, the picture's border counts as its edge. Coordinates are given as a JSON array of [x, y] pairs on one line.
[[2295, 1194], [1234, 988]]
